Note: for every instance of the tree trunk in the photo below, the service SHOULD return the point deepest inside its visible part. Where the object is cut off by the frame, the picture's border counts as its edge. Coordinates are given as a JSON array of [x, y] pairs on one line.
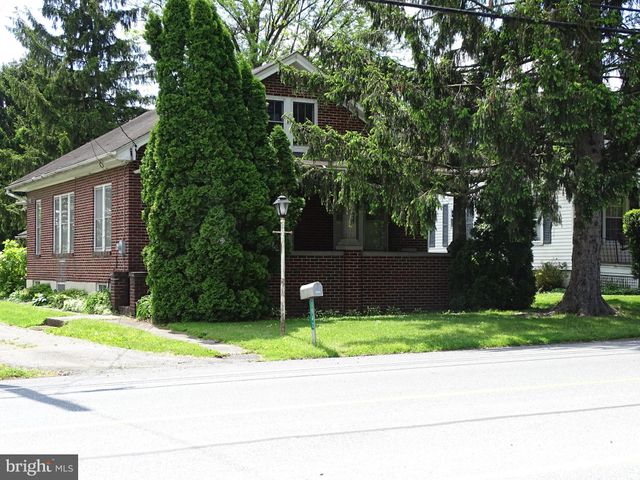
[[583, 296], [459, 222]]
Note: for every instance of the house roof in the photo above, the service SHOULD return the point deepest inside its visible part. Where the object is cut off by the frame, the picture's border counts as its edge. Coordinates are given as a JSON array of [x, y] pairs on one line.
[[293, 60], [106, 145], [112, 148]]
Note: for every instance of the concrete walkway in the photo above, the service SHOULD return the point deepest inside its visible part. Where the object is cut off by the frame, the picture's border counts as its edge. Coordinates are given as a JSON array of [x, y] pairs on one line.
[[30, 348]]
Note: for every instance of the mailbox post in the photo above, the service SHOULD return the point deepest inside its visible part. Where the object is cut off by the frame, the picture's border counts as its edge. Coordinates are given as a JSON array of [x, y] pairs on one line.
[[311, 291]]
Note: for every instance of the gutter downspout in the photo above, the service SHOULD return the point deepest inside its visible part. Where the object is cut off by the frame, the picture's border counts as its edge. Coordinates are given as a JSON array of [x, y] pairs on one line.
[[19, 200]]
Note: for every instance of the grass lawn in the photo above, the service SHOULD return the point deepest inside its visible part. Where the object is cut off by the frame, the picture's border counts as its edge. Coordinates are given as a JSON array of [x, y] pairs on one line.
[[10, 372], [26, 315], [128, 337], [424, 332]]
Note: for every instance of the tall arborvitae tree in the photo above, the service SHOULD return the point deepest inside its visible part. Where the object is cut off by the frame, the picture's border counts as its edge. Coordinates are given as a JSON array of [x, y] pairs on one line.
[[271, 153], [208, 212], [91, 73]]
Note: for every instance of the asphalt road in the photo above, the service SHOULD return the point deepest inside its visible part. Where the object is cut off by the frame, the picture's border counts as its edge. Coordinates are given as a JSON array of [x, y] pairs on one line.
[[562, 412]]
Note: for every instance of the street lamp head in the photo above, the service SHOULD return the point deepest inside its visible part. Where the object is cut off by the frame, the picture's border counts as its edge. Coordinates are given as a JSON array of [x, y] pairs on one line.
[[281, 205]]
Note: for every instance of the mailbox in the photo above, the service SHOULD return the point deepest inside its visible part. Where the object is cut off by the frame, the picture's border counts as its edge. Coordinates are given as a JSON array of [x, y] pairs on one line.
[[311, 290]]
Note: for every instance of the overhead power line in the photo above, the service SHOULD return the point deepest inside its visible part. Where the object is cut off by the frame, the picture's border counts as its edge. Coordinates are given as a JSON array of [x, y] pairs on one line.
[[515, 18], [615, 7]]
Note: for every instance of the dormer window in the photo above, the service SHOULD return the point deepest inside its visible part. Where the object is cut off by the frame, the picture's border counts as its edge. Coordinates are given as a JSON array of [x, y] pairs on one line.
[[282, 109]]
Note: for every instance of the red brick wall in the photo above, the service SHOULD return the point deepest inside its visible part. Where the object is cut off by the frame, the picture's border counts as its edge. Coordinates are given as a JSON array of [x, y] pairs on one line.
[[85, 265], [354, 281], [336, 116], [407, 282], [302, 269]]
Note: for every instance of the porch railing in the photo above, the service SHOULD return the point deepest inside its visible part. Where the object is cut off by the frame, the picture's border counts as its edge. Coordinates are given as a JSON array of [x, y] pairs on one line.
[[615, 252]]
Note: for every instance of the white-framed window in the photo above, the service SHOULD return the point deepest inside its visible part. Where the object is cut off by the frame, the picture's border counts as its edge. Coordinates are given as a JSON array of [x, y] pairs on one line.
[[282, 109], [102, 218], [60, 286], [612, 224], [101, 287], [38, 227], [542, 231], [63, 223], [445, 225]]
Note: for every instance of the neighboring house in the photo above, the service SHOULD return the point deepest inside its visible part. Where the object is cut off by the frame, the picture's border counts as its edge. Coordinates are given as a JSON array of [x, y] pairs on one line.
[[85, 228], [553, 243]]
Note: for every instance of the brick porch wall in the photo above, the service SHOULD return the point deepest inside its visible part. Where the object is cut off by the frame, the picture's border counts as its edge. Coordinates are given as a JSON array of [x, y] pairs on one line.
[[354, 280]]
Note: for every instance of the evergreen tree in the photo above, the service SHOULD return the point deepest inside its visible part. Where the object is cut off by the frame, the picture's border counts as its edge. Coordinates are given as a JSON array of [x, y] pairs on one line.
[[81, 73], [530, 96], [208, 213], [493, 269], [587, 128], [24, 143]]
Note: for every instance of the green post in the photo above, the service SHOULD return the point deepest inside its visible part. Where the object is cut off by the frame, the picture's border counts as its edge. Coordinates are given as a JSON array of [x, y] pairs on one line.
[[312, 320]]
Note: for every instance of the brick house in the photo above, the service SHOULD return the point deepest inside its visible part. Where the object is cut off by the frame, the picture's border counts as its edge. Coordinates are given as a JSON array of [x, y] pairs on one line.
[[85, 229]]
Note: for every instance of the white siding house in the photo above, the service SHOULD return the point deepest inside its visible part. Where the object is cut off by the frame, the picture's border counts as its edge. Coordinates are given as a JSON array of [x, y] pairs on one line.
[[554, 243], [555, 246]]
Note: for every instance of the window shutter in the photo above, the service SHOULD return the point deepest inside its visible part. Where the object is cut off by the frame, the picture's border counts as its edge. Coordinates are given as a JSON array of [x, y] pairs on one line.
[[445, 225], [432, 238], [546, 230]]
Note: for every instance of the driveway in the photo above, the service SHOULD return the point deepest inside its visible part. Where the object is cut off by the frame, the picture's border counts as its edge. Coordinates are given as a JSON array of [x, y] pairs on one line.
[[20, 347]]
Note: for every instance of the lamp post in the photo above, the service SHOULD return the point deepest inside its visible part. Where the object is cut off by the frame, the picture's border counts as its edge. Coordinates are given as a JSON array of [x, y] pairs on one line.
[[282, 205]]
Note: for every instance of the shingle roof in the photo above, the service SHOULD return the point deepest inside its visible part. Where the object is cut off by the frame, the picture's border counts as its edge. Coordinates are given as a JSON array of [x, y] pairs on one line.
[[108, 143], [111, 141]]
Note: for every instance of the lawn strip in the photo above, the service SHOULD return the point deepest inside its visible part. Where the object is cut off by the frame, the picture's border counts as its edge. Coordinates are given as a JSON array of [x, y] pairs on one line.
[[424, 332], [26, 315], [7, 372], [115, 335]]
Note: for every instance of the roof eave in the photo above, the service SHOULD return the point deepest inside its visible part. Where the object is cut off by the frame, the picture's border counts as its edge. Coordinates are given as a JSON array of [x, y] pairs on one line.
[[63, 174]]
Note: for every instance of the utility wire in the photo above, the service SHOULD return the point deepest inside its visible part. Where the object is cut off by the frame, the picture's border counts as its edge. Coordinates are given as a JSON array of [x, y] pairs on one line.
[[553, 23], [615, 7]]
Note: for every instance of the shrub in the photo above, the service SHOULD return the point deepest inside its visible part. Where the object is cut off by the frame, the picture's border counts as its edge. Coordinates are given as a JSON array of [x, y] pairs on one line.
[[13, 267], [550, 276], [631, 229], [493, 269], [99, 303], [143, 307], [327, 313], [16, 296], [58, 299], [28, 294], [39, 300], [393, 311], [615, 289], [372, 311], [74, 305]]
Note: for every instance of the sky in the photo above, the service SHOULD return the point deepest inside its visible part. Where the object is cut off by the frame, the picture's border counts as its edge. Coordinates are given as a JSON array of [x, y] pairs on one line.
[[10, 49]]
